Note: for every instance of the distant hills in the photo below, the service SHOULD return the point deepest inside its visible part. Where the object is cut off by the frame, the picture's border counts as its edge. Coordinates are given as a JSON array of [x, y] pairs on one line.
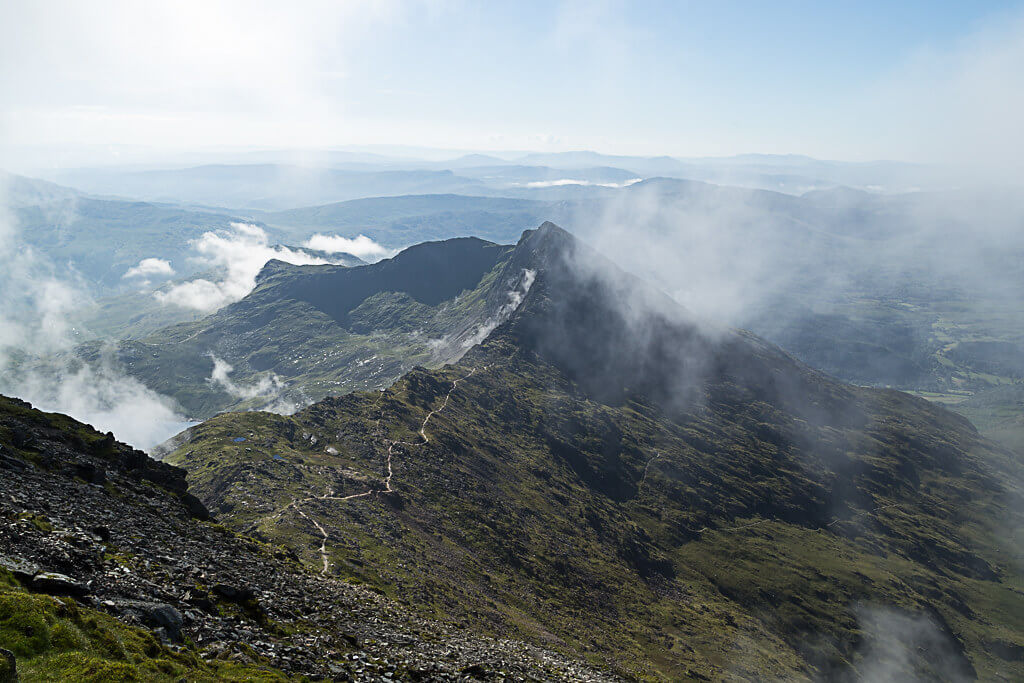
[[269, 181], [400, 221], [905, 290], [263, 186]]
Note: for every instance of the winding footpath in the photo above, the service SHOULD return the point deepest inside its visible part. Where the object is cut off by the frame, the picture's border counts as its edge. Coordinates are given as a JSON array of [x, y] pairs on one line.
[[296, 503], [657, 455]]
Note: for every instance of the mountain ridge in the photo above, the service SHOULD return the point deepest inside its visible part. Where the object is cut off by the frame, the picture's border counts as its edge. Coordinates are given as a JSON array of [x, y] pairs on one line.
[[305, 332], [582, 482]]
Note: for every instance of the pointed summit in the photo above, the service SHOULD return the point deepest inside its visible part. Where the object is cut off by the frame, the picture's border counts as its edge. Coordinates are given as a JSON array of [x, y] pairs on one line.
[[538, 247]]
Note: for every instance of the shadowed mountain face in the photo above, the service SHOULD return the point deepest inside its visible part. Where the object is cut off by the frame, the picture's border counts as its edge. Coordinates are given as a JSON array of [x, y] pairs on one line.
[[618, 338], [605, 476], [306, 332], [427, 273]]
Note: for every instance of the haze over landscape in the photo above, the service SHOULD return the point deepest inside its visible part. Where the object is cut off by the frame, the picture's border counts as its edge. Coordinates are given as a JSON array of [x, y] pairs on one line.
[[512, 341]]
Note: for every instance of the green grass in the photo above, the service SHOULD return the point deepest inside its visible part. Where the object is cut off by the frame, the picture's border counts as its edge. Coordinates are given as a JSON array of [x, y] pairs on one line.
[[999, 414], [58, 639], [496, 527]]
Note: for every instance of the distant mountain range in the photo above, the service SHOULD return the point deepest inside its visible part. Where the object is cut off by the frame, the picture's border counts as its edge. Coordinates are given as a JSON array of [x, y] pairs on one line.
[[914, 291], [789, 173]]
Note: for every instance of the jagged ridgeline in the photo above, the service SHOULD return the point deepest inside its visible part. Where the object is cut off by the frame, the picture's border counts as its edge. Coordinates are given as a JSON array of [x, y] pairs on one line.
[[604, 477], [307, 332]]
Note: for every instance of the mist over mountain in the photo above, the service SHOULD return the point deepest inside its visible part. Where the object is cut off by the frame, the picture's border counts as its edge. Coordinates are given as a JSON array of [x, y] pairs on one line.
[[306, 332], [601, 448], [891, 290], [405, 341]]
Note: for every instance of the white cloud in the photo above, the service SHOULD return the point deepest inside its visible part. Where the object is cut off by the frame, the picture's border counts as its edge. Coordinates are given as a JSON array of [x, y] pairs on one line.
[[150, 267], [898, 645], [239, 254], [267, 385], [103, 397], [360, 246], [38, 305]]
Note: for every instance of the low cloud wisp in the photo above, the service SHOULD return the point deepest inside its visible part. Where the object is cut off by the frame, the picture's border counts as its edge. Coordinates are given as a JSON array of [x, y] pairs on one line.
[[239, 255], [515, 297], [268, 387], [570, 181], [359, 246], [149, 267], [38, 336]]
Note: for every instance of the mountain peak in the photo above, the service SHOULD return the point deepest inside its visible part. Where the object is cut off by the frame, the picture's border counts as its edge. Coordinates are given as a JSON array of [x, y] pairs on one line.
[[272, 268], [543, 245], [547, 232]]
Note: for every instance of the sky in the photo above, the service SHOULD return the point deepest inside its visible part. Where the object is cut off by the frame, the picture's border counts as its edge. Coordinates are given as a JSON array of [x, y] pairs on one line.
[[913, 81]]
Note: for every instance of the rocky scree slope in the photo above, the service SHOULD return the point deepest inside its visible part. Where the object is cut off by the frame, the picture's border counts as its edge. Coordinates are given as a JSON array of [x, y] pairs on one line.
[[110, 571], [603, 477]]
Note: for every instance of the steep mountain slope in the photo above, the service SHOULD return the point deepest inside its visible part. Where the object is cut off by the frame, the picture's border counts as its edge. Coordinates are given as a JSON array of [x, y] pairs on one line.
[[306, 332], [147, 590], [602, 476]]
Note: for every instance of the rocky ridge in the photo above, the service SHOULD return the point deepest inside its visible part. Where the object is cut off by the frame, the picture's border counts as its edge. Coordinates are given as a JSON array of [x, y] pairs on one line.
[[669, 500]]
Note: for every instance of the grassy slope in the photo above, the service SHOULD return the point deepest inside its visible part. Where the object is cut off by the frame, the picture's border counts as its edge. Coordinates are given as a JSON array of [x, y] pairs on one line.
[[58, 639], [999, 414], [530, 509]]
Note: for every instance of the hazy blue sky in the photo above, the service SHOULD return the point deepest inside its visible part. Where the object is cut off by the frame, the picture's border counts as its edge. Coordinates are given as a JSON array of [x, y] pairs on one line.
[[857, 80]]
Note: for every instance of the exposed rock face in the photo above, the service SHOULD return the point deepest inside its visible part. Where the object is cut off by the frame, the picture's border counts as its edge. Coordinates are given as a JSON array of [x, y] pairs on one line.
[[58, 584], [131, 546]]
